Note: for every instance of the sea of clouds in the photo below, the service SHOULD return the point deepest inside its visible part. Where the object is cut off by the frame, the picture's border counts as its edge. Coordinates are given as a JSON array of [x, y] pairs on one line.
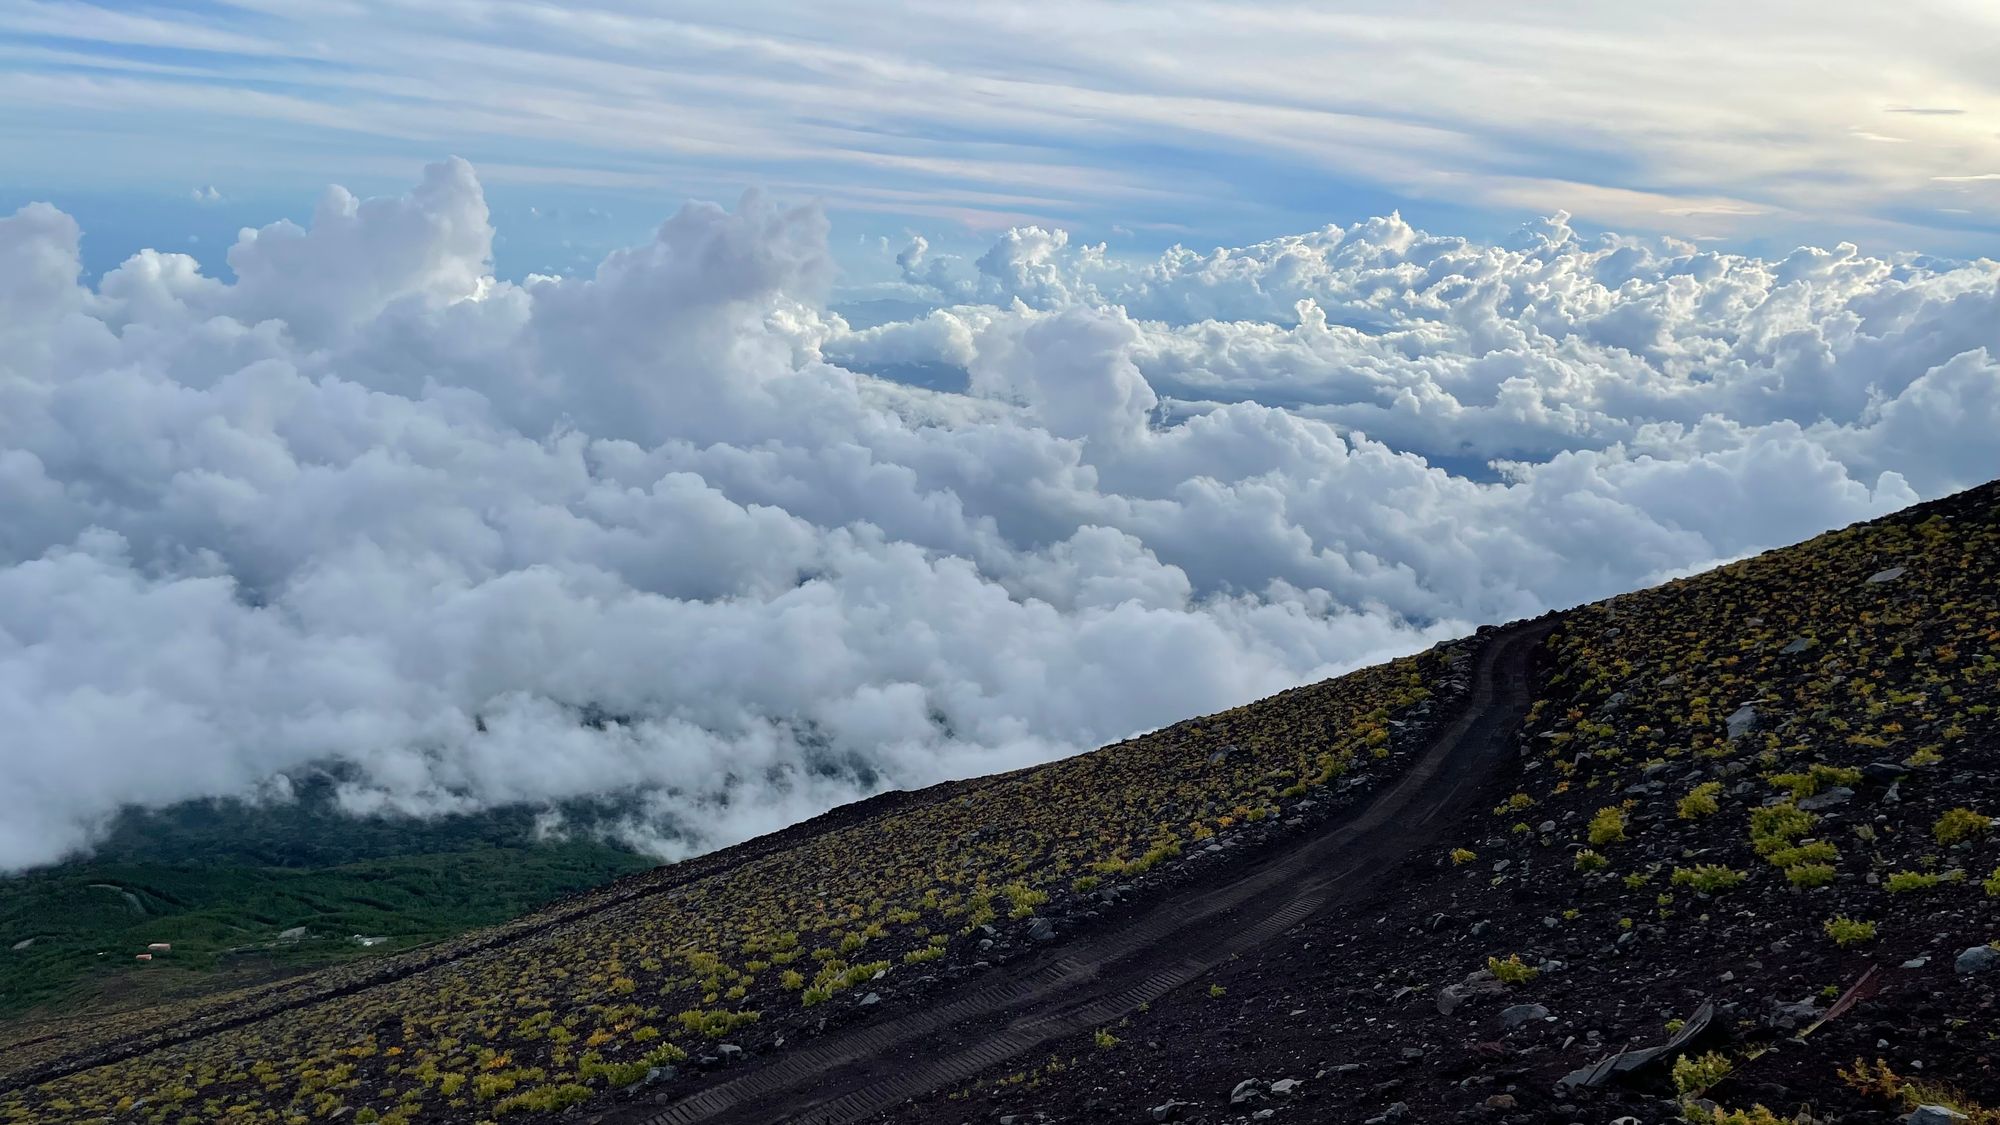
[[660, 531]]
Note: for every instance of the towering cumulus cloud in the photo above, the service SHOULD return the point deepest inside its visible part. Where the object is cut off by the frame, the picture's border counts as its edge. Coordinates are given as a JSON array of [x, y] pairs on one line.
[[658, 532]]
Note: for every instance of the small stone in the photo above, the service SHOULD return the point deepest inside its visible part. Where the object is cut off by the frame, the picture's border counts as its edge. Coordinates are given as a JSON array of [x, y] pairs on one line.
[[1838, 795], [871, 999], [1523, 1013], [1246, 1091], [1284, 1087], [1934, 1115], [1916, 962], [1797, 645], [1501, 1101], [1889, 575], [1168, 1111]]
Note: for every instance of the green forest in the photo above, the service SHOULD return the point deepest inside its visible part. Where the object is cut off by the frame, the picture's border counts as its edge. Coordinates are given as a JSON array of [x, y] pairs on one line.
[[243, 892]]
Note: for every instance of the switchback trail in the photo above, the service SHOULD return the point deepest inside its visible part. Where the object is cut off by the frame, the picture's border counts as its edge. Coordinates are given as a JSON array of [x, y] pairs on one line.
[[857, 1072]]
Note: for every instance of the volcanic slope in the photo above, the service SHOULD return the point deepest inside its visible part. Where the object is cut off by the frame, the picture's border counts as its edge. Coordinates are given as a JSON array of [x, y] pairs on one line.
[[1752, 821], [759, 948], [1430, 890]]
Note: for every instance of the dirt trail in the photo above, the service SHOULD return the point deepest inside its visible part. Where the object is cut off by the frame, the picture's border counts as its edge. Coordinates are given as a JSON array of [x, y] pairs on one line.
[[856, 1073]]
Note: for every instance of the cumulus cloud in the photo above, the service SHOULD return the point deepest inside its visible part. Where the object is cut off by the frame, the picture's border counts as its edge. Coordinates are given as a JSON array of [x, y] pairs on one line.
[[658, 532], [1547, 343]]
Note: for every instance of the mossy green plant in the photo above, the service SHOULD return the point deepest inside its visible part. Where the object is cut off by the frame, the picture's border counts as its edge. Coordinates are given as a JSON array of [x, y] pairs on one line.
[[1708, 878], [1960, 824]]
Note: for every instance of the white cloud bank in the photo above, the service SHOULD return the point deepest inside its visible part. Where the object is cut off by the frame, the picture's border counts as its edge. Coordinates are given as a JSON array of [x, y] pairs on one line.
[[367, 503]]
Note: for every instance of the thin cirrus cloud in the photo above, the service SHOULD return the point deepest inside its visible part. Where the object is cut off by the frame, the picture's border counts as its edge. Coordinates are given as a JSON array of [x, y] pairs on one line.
[[663, 529], [1740, 123]]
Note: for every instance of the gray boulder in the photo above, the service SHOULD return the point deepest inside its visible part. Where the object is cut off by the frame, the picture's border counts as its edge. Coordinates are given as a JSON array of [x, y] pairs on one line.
[[1934, 1115], [1523, 1013], [1742, 721], [1978, 959], [1889, 575]]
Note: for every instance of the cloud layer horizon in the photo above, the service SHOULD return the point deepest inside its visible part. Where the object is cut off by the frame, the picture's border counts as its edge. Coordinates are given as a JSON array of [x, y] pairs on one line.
[[366, 503]]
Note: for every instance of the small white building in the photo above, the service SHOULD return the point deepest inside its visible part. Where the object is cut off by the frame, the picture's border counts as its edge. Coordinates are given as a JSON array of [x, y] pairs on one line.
[[145, 957], [160, 947]]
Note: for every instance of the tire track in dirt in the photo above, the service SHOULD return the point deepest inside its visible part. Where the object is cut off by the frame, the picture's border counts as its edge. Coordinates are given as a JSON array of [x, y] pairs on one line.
[[855, 1073]]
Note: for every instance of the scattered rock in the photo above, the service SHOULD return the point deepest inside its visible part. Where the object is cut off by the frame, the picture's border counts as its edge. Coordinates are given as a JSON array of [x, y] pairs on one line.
[[1795, 1014], [1523, 1013], [1742, 721], [1838, 795], [1285, 1087], [1889, 575], [1248, 1090], [1041, 929], [1501, 1102], [1168, 1111], [1978, 959], [871, 999], [1797, 645], [1934, 1115], [1481, 983]]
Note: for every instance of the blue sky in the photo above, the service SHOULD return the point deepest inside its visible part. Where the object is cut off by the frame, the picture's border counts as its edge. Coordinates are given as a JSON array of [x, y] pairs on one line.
[[359, 500], [1755, 126]]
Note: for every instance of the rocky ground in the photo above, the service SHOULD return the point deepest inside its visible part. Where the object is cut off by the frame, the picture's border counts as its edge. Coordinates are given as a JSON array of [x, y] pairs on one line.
[[1389, 1014], [1755, 805]]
